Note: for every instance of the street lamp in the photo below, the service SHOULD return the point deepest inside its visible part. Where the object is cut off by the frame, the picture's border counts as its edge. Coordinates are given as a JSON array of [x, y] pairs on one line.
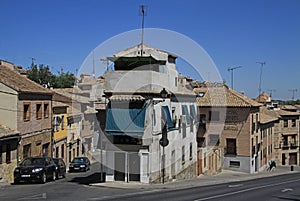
[[164, 140]]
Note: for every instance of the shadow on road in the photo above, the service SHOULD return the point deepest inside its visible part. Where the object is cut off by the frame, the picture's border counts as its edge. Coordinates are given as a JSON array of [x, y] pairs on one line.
[[89, 179]]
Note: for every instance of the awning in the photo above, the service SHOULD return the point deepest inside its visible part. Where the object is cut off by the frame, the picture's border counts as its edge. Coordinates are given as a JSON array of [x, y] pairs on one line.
[[194, 114], [167, 116], [186, 113], [128, 121], [127, 98]]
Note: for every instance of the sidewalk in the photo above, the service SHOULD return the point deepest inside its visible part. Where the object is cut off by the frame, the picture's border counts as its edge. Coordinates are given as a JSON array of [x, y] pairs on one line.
[[224, 177]]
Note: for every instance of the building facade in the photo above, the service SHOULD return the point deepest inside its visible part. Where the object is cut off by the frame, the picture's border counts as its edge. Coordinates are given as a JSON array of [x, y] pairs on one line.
[[150, 132], [228, 134], [26, 108]]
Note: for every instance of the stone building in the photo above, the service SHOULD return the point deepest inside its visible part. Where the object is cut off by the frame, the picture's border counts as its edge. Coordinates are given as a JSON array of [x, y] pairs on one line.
[[228, 136], [26, 108], [286, 135]]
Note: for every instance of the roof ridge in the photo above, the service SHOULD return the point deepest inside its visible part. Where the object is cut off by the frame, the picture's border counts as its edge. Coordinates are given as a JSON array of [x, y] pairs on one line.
[[242, 97]]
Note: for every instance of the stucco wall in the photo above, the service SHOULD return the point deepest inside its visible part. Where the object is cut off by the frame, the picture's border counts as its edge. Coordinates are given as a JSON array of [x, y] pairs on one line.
[[8, 107]]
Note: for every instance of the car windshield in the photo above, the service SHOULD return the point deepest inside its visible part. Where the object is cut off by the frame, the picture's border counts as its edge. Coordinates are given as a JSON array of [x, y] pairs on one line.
[[33, 161], [78, 160]]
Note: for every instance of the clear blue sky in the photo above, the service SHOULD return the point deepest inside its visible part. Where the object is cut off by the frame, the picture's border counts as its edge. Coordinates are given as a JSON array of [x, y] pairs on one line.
[[233, 32]]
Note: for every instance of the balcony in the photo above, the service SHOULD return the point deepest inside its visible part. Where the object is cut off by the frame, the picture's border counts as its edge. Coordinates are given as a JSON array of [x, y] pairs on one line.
[[287, 146]]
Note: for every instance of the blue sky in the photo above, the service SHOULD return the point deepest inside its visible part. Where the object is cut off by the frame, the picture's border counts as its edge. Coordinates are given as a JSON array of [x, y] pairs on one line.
[[233, 32]]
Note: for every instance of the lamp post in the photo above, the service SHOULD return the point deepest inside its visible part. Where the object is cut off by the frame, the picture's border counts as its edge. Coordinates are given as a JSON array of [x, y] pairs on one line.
[[164, 140]]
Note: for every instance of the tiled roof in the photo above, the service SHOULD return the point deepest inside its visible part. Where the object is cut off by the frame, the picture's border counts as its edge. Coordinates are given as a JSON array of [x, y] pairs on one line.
[[267, 115], [219, 95], [20, 83], [73, 94]]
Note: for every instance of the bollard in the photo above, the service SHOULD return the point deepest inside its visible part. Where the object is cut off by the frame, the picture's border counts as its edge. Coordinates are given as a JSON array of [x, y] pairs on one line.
[[292, 168]]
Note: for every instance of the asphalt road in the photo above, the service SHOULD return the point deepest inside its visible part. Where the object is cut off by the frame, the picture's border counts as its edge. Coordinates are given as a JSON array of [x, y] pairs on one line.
[[72, 188], [76, 187], [284, 187]]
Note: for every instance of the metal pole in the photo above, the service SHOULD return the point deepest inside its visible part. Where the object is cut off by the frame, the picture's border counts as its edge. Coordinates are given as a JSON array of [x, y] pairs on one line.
[[259, 87]]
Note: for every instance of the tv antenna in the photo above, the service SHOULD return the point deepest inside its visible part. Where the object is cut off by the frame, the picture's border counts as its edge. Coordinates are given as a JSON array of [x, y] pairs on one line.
[[32, 60], [232, 69], [293, 91], [106, 61], [142, 12], [271, 91], [262, 63]]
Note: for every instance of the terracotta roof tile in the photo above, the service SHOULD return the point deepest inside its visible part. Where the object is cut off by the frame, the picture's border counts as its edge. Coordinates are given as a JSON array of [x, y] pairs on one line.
[[20, 83], [219, 95]]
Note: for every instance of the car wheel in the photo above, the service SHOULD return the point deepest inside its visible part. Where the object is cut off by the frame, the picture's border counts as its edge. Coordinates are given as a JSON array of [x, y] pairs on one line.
[[16, 181], [44, 178], [53, 176]]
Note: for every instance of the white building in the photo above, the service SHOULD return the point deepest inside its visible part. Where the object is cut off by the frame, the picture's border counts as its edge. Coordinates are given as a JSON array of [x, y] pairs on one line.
[[138, 113]]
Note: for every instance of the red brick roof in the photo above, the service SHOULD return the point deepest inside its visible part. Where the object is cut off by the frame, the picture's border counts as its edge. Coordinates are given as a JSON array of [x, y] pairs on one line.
[[219, 95]]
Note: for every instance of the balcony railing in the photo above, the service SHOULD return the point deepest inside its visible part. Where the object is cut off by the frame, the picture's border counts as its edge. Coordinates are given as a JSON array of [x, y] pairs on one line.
[[286, 146]]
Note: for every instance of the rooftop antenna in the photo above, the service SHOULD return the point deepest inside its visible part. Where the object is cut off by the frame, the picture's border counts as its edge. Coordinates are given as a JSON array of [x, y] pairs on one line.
[[32, 60], [142, 10], [262, 63], [293, 91], [271, 91], [231, 69], [93, 65], [106, 61]]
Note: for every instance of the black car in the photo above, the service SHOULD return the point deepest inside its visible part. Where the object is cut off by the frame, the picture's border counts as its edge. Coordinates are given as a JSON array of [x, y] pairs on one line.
[[38, 169], [79, 164], [60, 167]]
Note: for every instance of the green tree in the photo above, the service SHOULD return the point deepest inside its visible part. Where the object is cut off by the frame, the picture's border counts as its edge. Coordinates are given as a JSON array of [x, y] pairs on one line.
[[43, 76], [64, 80], [40, 75]]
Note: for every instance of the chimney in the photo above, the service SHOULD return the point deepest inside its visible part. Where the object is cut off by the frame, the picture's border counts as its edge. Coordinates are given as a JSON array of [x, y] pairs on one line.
[[7, 64]]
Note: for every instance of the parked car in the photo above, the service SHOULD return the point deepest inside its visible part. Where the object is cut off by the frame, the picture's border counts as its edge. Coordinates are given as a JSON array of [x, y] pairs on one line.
[[60, 167], [38, 169], [79, 164]]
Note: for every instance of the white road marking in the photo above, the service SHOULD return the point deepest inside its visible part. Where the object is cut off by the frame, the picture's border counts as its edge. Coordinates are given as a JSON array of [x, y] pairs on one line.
[[235, 185], [246, 190], [35, 197], [286, 190]]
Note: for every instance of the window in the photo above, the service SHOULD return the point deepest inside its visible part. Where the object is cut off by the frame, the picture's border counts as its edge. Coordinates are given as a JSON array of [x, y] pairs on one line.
[[57, 152], [175, 81], [214, 140], [214, 115], [0, 154], [46, 110], [38, 111], [257, 123], [191, 151], [8, 153], [62, 150], [285, 123], [26, 111], [234, 164], [185, 112], [62, 122], [231, 146], [183, 155], [253, 124], [45, 149], [26, 150], [293, 122]]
